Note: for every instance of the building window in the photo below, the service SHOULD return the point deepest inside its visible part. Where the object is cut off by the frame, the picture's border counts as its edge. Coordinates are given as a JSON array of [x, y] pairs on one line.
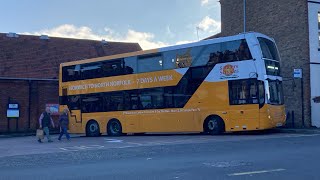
[[319, 28], [319, 37], [319, 20]]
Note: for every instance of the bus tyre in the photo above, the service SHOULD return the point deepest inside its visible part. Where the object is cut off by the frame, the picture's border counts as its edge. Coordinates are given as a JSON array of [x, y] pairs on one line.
[[114, 128], [92, 129], [214, 126]]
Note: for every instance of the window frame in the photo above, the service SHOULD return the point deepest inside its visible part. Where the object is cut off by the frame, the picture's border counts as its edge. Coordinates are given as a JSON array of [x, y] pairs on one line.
[[274, 47], [268, 72], [279, 89], [249, 101]]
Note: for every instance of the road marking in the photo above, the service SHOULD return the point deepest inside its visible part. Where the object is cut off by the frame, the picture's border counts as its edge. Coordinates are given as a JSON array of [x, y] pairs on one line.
[[67, 149], [77, 148], [225, 164], [139, 144], [256, 172], [302, 135], [122, 147], [113, 140]]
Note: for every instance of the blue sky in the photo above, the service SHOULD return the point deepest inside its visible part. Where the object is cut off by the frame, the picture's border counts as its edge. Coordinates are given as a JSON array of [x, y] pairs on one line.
[[151, 23]]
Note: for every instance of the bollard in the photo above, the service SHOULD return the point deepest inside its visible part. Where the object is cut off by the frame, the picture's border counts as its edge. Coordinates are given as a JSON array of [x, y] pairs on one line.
[[292, 116]]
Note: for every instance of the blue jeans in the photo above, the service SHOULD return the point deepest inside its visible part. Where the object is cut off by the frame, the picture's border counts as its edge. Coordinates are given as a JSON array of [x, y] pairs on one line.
[[64, 130], [47, 133]]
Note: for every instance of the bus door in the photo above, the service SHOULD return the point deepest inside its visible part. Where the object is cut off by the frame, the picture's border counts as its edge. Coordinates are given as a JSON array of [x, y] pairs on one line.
[[75, 122], [244, 105], [76, 116], [155, 118], [133, 118]]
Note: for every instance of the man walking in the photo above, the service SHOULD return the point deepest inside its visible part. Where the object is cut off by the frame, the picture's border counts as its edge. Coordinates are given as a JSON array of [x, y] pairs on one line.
[[45, 120], [64, 123]]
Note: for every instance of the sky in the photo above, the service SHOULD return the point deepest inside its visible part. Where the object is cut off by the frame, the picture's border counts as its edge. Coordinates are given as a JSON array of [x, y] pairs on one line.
[[151, 23]]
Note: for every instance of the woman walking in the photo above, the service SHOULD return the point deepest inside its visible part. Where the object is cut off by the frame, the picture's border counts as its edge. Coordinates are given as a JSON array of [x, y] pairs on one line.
[[64, 123]]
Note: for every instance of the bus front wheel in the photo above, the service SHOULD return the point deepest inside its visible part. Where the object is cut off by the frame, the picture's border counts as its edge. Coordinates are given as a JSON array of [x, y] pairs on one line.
[[114, 128], [213, 125], [92, 129]]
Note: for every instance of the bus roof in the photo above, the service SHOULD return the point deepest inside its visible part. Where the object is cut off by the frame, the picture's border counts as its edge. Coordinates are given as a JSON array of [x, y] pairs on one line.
[[175, 47]]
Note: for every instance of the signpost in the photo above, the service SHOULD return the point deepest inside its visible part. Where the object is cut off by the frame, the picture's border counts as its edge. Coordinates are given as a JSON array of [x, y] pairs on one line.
[[13, 112], [297, 73]]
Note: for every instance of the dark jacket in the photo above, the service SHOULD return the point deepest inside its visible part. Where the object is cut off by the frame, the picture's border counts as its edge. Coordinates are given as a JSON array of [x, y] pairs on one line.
[[64, 120], [45, 119]]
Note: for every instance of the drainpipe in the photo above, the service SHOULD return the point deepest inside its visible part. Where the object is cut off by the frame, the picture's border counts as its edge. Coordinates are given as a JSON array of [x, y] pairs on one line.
[[244, 15], [29, 105]]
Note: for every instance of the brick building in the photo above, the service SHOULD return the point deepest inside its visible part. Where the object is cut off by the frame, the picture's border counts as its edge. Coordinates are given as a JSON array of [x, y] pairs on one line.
[[29, 67], [294, 24]]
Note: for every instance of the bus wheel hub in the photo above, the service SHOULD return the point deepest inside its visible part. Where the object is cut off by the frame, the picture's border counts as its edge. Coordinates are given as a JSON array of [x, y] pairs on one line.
[[93, 127], [211, 125]]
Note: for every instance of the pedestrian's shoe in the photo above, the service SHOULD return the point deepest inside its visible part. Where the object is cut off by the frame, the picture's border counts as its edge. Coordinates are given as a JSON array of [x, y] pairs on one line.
[[50, 141], [59, 139], [39, 140]]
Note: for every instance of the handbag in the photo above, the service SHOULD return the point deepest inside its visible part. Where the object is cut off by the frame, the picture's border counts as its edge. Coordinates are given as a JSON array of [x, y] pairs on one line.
[[40, 134]]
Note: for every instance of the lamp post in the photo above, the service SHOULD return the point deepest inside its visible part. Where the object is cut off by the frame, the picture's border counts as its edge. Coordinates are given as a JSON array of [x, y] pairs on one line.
[[244, 15]]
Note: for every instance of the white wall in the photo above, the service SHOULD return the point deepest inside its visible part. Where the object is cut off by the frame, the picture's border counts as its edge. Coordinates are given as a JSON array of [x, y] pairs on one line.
[[313, 9]]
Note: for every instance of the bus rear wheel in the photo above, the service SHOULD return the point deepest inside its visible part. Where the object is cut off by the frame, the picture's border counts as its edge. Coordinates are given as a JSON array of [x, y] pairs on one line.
[[114, 128], [213, 125], [92, 129]]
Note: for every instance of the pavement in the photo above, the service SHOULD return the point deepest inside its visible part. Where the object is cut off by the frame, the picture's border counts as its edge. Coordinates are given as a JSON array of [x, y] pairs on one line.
[[277, 130], [261, 155]]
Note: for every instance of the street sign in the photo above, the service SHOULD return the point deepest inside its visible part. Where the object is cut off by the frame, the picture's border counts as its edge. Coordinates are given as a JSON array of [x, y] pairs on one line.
[[13, 113], [13, 106], [297, 73]]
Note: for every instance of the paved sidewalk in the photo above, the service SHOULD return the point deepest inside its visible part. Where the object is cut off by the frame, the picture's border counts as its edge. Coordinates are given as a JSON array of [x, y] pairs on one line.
[[22, 134], [298, 130], [277, 130]]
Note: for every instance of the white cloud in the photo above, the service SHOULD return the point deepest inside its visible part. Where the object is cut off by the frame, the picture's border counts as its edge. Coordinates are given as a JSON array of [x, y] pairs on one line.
[[204, 2], [209, 25], [210, 4], [145, 39], [183, 42]]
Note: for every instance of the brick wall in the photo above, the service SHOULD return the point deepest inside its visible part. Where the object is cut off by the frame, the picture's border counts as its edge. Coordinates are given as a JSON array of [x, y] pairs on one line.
[[42, 93], [31, 57], [287, 22]]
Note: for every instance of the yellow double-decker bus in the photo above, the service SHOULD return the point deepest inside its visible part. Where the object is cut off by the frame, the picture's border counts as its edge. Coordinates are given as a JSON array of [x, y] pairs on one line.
[[212, 86]]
